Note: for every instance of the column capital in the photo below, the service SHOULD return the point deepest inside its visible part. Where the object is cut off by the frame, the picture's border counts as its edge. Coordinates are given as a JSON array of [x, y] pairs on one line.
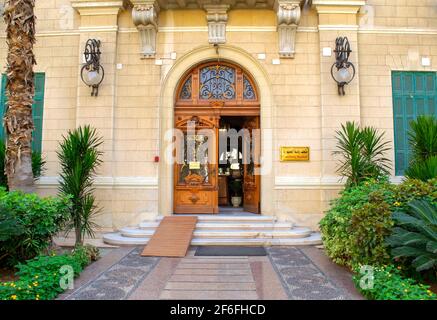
[[97, 7], [217, 18], [288, 16]]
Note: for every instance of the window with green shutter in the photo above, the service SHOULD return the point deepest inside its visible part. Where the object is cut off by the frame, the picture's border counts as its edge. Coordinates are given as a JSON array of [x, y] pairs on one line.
[[414, 94], [37, 109]]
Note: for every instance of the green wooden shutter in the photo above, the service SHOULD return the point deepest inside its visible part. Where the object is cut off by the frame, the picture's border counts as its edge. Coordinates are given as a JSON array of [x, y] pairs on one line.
[[414, 94], [3, 107], [37, 109], [37, 112]]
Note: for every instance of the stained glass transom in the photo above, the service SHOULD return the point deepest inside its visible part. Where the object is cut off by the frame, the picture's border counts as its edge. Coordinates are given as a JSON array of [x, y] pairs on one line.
[[248, 92], [217, 82], [186, 90]]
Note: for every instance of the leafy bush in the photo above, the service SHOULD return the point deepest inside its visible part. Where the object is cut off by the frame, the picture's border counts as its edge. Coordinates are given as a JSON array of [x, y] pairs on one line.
[[38, 164], [335, 226], [348, 238], [389, 284], [423, 140], [370, 225], [36, 219], [362, 152], [415, 235], [39, 278], [79, 158]]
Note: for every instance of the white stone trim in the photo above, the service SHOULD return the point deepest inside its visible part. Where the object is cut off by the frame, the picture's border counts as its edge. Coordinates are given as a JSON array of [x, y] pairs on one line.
[[308, 182], [342, 27], [107, 182], [365, 30], [98, 29], [397, 179], [389, 30]]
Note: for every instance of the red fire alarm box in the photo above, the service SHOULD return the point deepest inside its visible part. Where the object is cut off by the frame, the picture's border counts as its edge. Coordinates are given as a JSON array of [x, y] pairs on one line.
[[156, 158]]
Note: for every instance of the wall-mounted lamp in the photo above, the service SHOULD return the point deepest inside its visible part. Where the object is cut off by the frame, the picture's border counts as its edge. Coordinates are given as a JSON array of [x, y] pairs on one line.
[[92, 73], [342, 71]]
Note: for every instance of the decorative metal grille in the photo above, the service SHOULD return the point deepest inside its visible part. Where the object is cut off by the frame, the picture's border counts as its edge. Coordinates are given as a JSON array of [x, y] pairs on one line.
[[186, 90], [248, 92], [217, 82]]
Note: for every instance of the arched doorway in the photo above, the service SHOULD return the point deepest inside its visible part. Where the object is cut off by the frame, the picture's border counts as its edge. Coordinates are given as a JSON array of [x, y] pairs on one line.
[[217, 122]]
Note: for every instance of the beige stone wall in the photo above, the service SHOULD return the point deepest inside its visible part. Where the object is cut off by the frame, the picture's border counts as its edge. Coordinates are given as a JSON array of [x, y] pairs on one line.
[[385, 35]]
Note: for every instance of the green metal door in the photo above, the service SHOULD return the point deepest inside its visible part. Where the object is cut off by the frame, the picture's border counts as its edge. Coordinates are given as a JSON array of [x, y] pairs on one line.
[[414, 94]]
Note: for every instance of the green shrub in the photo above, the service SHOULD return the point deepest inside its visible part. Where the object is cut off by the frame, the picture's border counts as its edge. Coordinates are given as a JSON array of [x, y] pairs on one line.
[[362, 153], [39, 219], [415, 235], [389, 284], [335, 226], [423, 141], [422, 170], [370, 225], [38, 165], [423, 137], [351, 245], [39, 278]]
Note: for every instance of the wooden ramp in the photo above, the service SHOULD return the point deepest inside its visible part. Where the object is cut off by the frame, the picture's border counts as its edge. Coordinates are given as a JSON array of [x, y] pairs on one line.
[[172, 237]]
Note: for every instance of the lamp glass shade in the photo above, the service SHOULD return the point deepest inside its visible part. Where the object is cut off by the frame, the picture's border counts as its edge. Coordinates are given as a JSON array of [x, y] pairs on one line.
[[93, 78], [343, 75]]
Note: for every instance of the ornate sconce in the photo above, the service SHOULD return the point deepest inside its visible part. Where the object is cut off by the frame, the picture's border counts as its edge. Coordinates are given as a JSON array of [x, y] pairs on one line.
[[92, 73], [342, 71]]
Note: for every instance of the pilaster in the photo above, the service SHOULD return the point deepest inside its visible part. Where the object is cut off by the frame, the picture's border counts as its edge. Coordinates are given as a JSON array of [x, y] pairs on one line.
[[337, 18], [99, 20]]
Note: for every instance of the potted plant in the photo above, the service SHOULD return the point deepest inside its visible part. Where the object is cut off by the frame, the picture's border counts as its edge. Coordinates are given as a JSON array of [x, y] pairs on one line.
[[236, 188]]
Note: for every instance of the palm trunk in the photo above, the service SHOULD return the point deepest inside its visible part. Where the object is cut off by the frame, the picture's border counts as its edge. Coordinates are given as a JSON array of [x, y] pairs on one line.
[[20, 20], [79, 240]]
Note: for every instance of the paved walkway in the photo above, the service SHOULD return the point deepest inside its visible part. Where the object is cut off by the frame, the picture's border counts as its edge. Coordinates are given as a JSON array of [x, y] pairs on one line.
[[285, 273]]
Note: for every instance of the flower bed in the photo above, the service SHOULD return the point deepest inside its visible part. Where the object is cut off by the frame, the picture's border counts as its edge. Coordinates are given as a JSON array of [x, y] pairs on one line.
[[389, 284], [40, 278]]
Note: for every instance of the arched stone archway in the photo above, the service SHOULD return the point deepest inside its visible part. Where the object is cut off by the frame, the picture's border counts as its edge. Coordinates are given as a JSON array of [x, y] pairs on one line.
[[170, 84]]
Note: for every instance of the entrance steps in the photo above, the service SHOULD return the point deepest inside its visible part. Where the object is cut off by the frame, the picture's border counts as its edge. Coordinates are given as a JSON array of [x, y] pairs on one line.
[[224, 230]]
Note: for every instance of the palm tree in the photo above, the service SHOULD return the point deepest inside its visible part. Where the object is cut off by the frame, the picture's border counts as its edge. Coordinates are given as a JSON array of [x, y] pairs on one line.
[[20, 34]]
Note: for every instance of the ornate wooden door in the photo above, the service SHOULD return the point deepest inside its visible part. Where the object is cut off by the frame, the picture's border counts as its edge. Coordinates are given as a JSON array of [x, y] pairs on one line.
[[207, 92], [251, 156], [195, 170]]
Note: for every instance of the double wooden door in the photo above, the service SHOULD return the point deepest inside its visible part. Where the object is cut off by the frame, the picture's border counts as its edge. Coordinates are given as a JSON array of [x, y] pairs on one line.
[[196, 165]]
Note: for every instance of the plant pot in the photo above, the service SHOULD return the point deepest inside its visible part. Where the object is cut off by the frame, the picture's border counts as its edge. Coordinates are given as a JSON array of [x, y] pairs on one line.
[[236, 201], [236, 174]]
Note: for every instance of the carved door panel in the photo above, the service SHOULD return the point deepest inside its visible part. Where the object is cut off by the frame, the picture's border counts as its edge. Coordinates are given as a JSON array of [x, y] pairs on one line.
[[251, 156], [195, 169]]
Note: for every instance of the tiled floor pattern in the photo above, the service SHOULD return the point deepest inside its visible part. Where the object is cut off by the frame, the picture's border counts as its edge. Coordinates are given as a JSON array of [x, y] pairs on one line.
[[211, 278]]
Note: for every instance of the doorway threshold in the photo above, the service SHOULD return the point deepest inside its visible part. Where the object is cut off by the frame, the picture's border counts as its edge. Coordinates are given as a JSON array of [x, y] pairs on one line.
[[232, 211]]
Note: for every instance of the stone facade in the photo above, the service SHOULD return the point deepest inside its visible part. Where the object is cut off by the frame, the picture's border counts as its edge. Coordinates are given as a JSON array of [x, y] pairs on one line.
[[145, 57]]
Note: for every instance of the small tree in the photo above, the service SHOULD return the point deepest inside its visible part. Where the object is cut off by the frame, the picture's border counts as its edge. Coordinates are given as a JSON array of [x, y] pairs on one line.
[[79, 158], [362, 152]]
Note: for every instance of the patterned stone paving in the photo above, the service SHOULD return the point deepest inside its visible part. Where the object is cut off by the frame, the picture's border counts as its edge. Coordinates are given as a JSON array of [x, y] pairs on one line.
[[120, 280], [301, 278]]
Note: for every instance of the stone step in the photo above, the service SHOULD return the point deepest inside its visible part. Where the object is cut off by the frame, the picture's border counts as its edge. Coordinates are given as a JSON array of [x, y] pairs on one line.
[[314, 239], [228, 218], [229, 225], [226, 234]]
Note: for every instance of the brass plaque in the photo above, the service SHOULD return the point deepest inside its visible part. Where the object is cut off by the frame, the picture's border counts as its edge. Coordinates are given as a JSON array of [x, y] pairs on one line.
[[194, 165], [295, 154]]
